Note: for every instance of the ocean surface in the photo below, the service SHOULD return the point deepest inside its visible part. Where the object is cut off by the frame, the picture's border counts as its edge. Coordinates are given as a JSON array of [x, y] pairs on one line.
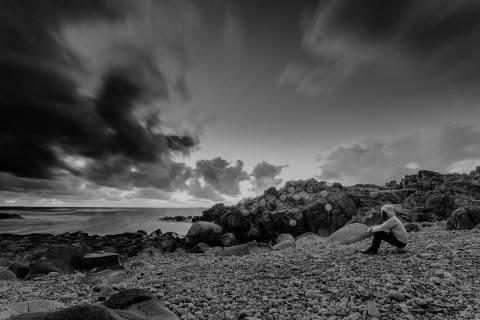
[[99, 221]]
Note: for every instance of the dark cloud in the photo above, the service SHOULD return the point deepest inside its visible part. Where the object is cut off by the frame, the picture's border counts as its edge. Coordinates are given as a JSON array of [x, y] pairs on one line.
[[199, 191], [114, 138], [221, 176], [450, 149], [264, 176], [436, 38]]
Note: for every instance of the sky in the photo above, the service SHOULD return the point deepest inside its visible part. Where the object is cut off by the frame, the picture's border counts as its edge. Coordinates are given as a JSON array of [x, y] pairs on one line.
[[176, 103]]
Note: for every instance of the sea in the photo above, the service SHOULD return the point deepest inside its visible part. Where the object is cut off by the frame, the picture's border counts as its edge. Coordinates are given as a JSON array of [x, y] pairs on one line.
[[101, 221]]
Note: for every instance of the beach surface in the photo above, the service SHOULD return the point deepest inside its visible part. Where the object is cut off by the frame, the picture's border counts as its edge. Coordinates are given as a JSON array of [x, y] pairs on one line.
[[436, 279]]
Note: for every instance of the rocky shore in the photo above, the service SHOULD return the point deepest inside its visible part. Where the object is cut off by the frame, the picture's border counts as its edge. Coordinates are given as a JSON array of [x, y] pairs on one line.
[[290, 253]]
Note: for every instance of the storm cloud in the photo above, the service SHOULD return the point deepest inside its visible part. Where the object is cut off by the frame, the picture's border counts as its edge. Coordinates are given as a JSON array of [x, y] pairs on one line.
[[53, 122], [397, 37], [264, 176], [221, 175], [449, 149]]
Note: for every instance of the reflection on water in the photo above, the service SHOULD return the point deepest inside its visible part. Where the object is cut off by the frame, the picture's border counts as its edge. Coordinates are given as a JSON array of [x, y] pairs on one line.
[[95, 220]]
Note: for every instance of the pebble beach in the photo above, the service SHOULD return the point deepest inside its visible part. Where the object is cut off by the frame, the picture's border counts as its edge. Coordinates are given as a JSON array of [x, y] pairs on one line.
[[438, 278]]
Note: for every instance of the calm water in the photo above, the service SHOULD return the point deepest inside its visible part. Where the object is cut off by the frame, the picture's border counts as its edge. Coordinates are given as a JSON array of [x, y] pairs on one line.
[[95, 220]]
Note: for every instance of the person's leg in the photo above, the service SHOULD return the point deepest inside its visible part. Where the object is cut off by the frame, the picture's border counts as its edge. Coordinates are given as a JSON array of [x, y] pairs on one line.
[[377, 239], [390, 238]]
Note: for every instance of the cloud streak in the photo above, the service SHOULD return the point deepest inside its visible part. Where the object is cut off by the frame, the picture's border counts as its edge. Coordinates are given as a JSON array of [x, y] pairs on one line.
[[414, 38]]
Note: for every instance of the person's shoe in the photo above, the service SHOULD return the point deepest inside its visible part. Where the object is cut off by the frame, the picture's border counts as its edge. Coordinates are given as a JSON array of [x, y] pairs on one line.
[[369, 251], [402, 250]]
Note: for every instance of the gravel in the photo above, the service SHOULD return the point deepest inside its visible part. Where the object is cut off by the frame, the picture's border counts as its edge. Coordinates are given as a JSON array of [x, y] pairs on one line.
[[436, 279]]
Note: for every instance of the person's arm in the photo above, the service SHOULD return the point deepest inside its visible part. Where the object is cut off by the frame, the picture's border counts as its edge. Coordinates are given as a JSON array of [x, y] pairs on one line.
[[386, 226]]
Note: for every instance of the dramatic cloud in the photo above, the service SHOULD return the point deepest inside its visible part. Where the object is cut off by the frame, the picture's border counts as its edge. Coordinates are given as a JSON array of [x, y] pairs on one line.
[[221, 176], [82, 89], [203, 191], [451, 149], [264, 176], [437, 38]]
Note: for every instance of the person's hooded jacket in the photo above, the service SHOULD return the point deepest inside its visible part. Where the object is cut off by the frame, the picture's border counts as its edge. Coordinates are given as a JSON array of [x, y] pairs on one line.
[[392, 224]]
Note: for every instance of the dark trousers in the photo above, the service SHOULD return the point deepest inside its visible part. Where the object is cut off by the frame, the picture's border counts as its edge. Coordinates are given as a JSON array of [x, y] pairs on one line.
[[387, 237]]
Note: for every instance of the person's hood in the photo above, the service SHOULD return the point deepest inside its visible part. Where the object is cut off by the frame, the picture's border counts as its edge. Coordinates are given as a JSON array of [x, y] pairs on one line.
[[389, 210]]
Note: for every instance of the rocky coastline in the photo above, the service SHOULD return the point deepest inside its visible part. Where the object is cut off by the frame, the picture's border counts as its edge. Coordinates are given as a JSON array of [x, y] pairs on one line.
[[290, 253]]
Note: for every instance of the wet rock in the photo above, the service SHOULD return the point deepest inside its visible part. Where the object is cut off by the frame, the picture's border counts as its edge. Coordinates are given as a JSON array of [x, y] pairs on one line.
[[206, 232]]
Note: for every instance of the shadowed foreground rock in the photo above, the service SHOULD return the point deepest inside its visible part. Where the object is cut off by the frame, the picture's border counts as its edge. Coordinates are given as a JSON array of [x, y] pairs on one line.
[[131, 304]]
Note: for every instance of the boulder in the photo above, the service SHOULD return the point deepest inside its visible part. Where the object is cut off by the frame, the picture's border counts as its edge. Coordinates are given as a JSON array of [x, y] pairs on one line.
[[167, 242], [412, 227], [20, 270], [127, 297], [58, 258], [18, 308], [229, 240], [7, 275], [283, 237], [40, 267], [285, 245], [464, 218], [105, 277], [206, 232], [156, 234], [99, 260], [250, 248], [351, 233], [78, 312], [141, 303], [200, 248]]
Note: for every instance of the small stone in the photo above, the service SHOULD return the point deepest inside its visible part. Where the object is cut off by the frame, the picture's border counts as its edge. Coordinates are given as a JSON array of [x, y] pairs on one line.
[[397, 296], [373, 310]]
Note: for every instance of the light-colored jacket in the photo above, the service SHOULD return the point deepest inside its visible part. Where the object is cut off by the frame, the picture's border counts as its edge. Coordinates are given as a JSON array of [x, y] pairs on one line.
[[395, 227]]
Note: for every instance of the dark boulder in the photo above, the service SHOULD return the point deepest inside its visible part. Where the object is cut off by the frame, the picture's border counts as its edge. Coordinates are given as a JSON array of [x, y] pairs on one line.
[[464, 218], [20, 270], [156, 234], [203, 231], [99, 260], [167, 242], [200, 248], [412, 227], [4, 215], [127, 297]]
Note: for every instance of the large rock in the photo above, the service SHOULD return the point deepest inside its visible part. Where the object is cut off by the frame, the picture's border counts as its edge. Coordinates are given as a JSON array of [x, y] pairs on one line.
[[283, 237], [285, 245], [250, 248], [105, 277], [57, 258], [36, 306], [351, 233], [127, 297], [309, 239], [206, 232], [78, 312], [464, 218], [167, 242], [99, 260], [7, 275]]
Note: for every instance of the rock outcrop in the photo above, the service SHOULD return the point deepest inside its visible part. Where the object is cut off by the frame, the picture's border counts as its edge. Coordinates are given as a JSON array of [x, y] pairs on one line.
[[464, 218], [4, 215]]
